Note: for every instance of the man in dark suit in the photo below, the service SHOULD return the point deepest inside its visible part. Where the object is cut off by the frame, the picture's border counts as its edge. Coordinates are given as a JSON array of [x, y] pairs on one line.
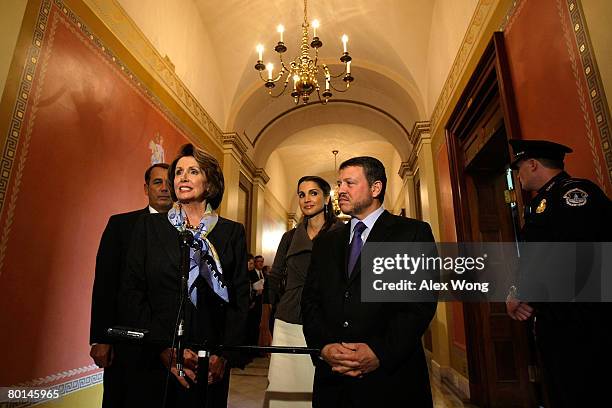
[[109, 262], [371, 353], [256, 277]]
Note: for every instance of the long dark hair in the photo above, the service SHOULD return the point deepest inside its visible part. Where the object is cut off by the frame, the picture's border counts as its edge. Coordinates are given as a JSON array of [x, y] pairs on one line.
[[328, 209]]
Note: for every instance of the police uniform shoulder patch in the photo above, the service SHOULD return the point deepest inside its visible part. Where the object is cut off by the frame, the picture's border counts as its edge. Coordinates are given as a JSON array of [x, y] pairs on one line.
[[576, 197]]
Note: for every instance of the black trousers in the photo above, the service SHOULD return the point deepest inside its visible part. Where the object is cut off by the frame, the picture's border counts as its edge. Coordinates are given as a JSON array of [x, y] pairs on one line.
[[149, 389], [119, 376], [570, 355]]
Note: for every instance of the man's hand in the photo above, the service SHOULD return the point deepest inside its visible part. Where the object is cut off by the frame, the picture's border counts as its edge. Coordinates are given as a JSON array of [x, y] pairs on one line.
[[216, 369], [350, 359], [190, 365], [102, 354], [361, 360], [331, 352], [518, 310]]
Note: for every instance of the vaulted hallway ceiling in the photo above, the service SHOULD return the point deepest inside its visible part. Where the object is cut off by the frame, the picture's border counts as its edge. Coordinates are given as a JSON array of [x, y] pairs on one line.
[[401, 51]]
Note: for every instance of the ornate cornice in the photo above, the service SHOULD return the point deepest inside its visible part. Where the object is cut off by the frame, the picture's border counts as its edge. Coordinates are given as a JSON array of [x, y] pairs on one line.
[[260, 176], [421, 130], [127, 32], [406, 168], [234, 141], [248, 167]]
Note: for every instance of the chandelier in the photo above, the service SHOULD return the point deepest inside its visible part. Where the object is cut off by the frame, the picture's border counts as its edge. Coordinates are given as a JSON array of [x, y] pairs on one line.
[[304, 70]]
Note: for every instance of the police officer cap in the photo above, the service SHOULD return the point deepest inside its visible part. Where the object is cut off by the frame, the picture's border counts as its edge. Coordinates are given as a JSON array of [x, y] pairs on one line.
[[536, 149]]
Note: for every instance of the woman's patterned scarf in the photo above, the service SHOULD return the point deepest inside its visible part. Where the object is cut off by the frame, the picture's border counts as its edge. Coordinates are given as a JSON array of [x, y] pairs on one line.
[[205, 263]]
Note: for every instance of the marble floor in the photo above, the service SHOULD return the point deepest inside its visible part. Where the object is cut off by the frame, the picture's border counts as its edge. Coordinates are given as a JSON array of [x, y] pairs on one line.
[[247, 388]]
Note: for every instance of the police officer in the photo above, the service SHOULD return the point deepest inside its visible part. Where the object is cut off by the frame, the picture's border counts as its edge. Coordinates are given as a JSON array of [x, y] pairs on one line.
[[569, 336]]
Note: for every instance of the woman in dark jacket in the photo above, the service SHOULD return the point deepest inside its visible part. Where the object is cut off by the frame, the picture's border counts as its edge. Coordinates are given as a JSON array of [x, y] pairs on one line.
[[290, 376], [218, 286]]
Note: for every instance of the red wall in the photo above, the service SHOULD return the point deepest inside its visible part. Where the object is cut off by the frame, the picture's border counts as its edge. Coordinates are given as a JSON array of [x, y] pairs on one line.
[[449, 234], [552, 95], [84, 146]]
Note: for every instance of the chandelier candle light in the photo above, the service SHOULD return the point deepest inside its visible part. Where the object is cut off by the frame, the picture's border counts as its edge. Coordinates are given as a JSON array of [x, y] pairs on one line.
[[304, 70]]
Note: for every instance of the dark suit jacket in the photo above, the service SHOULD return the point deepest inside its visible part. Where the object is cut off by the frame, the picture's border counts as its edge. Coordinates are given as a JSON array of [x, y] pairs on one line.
[[151, 285], [110, 260], [333, 312]]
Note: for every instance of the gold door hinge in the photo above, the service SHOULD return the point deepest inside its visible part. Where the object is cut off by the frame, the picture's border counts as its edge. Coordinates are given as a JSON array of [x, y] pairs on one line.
[[510, 196]]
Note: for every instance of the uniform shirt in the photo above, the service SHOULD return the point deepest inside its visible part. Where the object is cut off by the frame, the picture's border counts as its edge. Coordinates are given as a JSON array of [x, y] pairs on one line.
[[568, 210]]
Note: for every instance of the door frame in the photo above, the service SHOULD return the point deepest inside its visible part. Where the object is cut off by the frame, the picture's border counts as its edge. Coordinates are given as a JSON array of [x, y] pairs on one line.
[[491, 71]]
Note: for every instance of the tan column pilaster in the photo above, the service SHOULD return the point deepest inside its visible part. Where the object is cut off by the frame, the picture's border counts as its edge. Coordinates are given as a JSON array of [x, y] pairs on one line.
[[425, 164], [233, 150], [260, 180], [406, 172], [427, 178]]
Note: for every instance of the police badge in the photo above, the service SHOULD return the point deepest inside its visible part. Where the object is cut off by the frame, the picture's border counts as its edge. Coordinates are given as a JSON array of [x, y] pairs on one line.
[[541, 207], [576, 197]]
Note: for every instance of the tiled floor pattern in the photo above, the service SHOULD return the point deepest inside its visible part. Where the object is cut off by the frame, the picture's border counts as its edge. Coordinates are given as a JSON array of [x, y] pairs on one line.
[[247, 388]]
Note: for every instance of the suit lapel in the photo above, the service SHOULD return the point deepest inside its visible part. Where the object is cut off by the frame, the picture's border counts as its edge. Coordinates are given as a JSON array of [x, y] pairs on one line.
[[219, 236], [341, 249], [379, 233], [167, 233]]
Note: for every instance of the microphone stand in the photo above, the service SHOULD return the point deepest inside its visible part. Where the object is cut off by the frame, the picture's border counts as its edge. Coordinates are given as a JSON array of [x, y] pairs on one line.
[[185, 243], [128, 334]]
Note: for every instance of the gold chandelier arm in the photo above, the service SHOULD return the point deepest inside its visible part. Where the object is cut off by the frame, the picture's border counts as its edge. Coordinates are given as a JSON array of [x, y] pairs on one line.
[[278, 77], [339, 90], [282, 90], [283, 66], [332, 76], [322, 100]]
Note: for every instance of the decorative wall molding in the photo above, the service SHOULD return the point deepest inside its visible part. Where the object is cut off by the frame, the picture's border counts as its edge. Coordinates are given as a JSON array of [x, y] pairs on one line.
[[512, 15], [419, 131], [260, 176], [590, 73], [248, 167], [406, 169], [34, 72], [65, 388], [233, 140], [582, 96], [53, 378], [477, 25], [127, 32]]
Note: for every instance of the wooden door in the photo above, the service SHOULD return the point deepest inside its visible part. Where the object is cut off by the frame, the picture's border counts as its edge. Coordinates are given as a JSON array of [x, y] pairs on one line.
[[498, 349]]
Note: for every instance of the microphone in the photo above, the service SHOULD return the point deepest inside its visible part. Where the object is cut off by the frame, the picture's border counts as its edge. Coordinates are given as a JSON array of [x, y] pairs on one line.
[[127, 332], [185, 242]]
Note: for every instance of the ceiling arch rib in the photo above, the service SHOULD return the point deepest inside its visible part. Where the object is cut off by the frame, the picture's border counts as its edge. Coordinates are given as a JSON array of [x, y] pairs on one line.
[[257, 108], [346, 114]]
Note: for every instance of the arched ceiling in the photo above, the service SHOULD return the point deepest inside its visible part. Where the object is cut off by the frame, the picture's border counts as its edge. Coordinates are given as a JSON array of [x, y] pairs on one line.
[[393, 34], [388, 41], [305, 120]]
